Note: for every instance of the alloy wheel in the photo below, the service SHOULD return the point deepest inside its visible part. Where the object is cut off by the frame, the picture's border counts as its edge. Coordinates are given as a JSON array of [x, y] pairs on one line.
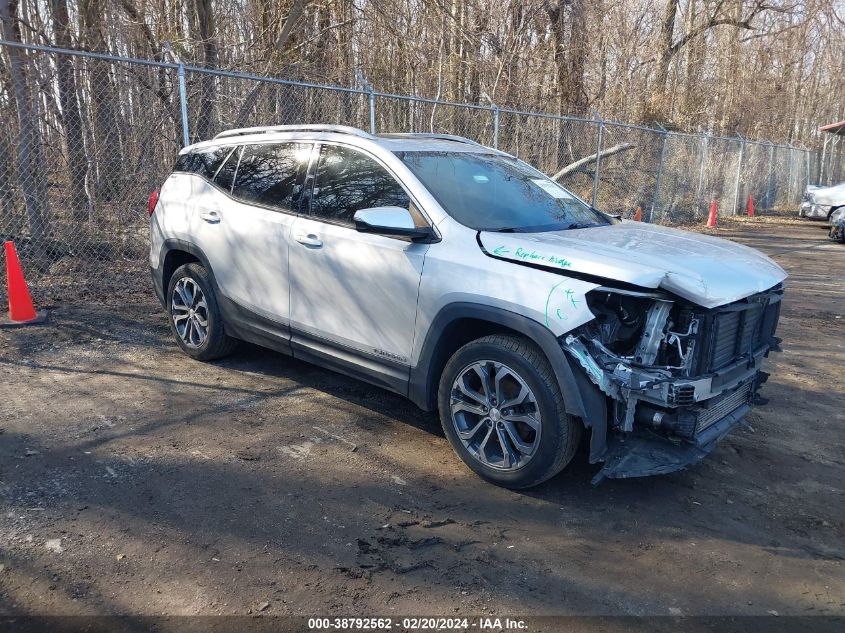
[[495, 415], [189, 311]]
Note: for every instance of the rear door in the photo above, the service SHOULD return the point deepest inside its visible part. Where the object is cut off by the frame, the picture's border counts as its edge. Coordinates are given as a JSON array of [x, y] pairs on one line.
[[245, 226], [354, 295]]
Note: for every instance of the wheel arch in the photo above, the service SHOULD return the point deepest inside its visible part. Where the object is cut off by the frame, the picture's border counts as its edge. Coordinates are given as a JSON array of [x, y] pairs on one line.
[[459, 323], [176, 253]]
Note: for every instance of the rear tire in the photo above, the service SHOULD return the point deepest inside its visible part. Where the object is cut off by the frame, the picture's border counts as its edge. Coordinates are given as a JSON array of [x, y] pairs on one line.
[[194, 314], [530, 437]]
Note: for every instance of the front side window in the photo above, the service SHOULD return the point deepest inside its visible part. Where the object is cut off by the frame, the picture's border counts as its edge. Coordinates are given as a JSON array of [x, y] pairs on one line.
[[272, 175], [347, 181], [490, 192]]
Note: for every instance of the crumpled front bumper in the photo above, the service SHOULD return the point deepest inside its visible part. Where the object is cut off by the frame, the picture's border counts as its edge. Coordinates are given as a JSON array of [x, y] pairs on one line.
[[668, 426], [647, 453], [814, 211]]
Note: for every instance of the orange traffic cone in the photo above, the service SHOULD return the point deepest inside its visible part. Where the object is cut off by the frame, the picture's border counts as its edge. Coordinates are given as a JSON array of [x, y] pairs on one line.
[[711, 221], [750, 206], [21, 310], [638, 215]]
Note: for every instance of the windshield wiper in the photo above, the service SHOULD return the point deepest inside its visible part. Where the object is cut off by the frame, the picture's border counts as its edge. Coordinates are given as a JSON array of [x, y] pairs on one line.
[[504, 229], [578, 225]]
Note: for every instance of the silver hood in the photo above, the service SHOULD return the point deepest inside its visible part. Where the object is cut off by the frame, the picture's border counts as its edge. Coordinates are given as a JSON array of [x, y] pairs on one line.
[[706, 270], [828, 196]]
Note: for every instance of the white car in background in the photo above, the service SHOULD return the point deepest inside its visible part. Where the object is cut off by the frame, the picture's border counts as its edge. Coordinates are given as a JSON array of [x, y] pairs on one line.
[[820, 202]]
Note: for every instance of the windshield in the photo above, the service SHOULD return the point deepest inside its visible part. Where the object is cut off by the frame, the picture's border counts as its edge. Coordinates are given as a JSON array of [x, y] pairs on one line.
[[489, 192]]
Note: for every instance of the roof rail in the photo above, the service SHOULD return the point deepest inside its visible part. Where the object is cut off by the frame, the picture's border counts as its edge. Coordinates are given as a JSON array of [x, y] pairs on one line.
[[306, 127], [443, 137]]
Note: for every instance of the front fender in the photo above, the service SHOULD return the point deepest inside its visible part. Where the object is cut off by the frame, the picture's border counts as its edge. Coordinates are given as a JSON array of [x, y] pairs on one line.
[[425, 375]]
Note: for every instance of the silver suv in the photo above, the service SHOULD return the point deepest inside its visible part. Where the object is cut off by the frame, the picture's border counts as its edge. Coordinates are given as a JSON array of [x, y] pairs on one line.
[[468, 281]]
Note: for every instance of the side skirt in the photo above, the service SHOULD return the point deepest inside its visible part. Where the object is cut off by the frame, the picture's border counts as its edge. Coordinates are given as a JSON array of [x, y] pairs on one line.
[[244, 324]]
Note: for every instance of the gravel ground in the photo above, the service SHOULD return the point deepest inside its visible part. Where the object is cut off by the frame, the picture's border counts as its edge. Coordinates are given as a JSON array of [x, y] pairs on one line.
[[136, 481]]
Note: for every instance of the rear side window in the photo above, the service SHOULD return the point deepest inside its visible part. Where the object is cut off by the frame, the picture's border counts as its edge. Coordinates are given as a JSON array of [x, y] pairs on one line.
[[272, 175], [348, 181], [204, 162], [226, 174]]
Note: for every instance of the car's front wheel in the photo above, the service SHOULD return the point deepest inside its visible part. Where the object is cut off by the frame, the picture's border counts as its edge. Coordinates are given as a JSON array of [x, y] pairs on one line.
[[503, 413], [195, 316]]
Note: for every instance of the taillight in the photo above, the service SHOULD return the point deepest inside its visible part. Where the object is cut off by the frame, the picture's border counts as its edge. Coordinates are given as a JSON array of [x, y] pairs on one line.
[[151, 204]]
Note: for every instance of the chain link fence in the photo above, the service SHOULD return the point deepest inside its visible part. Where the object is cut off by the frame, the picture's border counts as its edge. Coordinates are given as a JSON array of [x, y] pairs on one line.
[[88, 136], [831, 163]]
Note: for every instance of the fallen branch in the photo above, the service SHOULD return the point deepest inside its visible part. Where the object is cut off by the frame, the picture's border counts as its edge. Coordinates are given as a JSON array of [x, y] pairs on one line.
[[578, 164]]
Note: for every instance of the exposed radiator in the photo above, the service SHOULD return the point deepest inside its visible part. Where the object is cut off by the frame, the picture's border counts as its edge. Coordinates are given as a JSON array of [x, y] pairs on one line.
[[735, 331], [718, 409]]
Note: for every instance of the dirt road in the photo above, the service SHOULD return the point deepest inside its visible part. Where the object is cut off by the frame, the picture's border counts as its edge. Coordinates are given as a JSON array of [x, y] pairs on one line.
[[134, 480]]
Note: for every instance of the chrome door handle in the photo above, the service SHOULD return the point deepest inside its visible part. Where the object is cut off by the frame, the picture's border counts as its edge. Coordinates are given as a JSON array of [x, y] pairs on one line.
[[212, 217], [309, 240]]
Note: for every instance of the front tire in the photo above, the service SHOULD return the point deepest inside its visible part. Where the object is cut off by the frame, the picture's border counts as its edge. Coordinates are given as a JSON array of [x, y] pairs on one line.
[[502, 411], [194, 314]]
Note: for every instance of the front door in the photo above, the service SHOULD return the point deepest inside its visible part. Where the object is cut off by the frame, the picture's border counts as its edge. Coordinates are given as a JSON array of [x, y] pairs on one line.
[[353, 295]]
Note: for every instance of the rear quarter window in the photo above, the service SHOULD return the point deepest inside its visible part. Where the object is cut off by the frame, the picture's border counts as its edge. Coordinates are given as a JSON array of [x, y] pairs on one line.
[[226, 174], [204, 162]]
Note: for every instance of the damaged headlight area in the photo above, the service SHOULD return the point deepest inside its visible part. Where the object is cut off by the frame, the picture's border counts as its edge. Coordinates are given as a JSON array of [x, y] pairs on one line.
[[677, 376], [837, 225]]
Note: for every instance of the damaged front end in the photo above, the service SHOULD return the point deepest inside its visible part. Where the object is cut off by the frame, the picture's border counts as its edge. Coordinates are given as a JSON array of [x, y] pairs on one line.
[[837, 225], [677, 377]]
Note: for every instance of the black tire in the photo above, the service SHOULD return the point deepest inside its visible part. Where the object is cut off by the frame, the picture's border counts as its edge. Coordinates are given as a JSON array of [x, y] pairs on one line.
[[216, 343], [560, 433]]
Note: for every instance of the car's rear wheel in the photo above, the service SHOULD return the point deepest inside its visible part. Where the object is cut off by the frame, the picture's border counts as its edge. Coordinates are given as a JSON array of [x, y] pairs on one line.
[[195, 315], [503, 413]]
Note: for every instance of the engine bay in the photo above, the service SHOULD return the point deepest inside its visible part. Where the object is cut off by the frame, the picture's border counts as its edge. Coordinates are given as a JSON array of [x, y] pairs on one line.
[[671, 366]]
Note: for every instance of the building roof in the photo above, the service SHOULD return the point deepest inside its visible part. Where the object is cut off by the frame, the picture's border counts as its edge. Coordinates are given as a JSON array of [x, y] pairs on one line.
[[834, 128]]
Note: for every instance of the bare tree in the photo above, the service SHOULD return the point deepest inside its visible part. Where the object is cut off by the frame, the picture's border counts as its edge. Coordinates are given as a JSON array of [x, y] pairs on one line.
[[71, 116], [31, 177], [103, 95], [204, 17]]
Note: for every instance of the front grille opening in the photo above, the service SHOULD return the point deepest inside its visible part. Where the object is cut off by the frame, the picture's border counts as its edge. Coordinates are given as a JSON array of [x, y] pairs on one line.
[[718, 408]]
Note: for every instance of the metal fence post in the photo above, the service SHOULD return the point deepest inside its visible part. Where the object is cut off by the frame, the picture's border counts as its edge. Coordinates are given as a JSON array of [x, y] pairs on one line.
[[821, 163], [658, 178], [495, 125], [598, 162], [700, 189], [738, 173], [789, 174], [372, 111], [807, 156], [769, 177], [183, 104]]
